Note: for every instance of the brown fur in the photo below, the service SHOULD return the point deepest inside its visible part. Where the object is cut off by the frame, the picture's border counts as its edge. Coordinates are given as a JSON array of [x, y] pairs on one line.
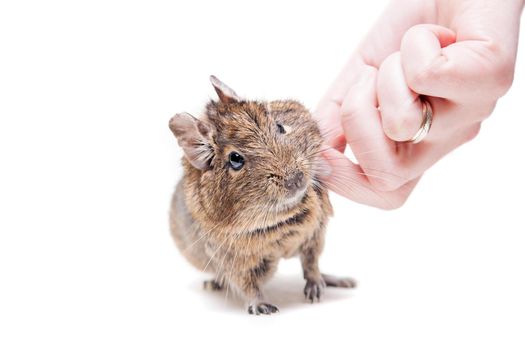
[[238, 224]]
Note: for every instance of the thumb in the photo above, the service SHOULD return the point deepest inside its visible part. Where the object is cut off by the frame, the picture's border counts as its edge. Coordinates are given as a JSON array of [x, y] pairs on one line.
[[348, 180], [435, 64]]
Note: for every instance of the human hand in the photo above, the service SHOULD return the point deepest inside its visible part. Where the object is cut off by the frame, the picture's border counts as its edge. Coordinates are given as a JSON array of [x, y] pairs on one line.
[[459, 54]]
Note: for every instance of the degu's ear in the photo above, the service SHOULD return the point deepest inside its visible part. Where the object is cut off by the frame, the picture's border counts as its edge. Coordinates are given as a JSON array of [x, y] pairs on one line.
[[194, 136], [225, 93]]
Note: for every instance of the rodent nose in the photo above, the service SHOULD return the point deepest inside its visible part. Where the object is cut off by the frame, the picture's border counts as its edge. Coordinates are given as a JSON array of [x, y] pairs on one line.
[[295, 182]]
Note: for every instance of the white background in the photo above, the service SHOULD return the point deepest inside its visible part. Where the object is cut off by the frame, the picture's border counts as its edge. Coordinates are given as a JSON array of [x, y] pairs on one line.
[[88, 166]]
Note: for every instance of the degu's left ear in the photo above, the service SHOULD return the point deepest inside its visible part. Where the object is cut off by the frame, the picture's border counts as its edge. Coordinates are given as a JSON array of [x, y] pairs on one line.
[[225, 93]]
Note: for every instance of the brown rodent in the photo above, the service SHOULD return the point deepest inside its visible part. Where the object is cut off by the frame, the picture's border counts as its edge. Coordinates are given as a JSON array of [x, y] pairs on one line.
[[251, 194]]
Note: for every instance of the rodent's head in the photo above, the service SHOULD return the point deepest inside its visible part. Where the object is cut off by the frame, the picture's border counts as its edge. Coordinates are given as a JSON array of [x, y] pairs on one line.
[[249, 158]]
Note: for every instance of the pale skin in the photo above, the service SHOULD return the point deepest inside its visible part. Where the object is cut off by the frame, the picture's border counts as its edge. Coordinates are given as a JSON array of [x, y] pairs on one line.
[[459, 54]]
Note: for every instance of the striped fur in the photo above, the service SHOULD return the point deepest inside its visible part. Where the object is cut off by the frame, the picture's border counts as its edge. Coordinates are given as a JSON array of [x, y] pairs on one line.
[[239, 224]]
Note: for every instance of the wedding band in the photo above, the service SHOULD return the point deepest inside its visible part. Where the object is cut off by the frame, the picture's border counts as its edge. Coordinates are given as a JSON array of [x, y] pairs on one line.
[[425, 124]]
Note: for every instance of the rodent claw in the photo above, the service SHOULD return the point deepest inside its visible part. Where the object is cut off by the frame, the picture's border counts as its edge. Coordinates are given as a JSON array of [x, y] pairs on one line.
[[314, 290], [262, 308]]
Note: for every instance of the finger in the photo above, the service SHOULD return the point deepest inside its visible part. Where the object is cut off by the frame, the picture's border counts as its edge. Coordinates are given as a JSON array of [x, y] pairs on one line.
[[348, 180], [383, 39], [385, 36], [463, 71], [327, 117], [327, 113], [375, 152], [422, 55], [389, 165], [422, 156], [329, 122], [401, 109]]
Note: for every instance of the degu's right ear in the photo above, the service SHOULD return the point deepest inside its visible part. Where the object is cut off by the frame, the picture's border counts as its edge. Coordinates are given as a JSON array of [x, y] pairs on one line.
[[194, 136]]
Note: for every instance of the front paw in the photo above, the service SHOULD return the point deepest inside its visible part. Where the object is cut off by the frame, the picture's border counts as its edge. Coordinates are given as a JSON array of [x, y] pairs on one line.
[[258, 308], [314, 289], [212, 285]]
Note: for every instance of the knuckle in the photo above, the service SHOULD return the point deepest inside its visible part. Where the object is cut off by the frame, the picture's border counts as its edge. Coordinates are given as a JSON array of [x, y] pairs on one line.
[[349, 111], [503, 77], [401, 125], [413, 32], [500, 68], [471, 132], [484, 112], [385, 181], [419, 79]]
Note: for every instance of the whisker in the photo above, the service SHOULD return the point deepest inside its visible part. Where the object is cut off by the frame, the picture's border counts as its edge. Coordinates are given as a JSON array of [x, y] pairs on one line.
[[213, 255], [201, 236], [231, 272]]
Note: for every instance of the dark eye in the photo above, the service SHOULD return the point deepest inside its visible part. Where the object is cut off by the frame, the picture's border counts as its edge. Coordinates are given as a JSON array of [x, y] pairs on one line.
[[280, 127], [236, 161]]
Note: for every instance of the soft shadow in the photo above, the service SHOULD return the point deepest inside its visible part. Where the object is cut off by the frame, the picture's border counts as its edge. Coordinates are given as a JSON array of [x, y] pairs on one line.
[[283, 290]]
